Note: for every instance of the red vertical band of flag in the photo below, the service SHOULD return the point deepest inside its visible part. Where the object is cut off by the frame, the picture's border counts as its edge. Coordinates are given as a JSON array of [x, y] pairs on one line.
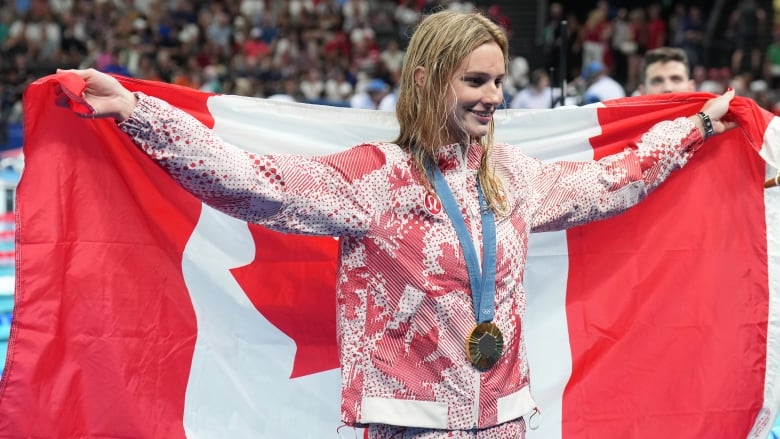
[[682, 278], [102, 332]]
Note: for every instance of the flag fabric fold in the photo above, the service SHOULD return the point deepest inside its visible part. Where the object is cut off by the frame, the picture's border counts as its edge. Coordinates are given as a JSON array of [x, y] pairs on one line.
[[142, 313]]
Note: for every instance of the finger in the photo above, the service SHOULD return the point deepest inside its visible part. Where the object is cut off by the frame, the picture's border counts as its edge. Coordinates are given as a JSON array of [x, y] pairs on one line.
[[71, 71], [721, 127]]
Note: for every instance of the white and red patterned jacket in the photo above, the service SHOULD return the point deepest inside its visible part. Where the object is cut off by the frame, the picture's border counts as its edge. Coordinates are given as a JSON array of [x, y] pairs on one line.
[[404, 299]]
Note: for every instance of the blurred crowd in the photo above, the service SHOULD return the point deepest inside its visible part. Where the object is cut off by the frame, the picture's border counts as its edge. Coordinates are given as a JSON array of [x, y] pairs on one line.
[[304, 50], [738, 47], [349, 52]]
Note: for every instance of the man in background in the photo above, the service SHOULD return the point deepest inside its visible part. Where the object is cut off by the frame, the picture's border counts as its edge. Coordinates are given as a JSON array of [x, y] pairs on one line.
[[665, 70]]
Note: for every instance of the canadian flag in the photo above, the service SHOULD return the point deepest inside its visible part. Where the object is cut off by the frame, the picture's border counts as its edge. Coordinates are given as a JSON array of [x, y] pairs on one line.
[[142, 313]]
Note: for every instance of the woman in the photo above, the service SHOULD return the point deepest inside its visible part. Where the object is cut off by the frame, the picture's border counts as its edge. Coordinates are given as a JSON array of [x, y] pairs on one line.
[[434, 226]]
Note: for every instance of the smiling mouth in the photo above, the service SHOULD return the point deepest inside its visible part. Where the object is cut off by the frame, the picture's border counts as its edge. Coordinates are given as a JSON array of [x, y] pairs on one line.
[[482, 113]]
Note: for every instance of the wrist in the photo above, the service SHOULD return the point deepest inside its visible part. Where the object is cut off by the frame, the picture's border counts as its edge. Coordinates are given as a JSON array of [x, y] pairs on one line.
[[127, 105], [705, 124]]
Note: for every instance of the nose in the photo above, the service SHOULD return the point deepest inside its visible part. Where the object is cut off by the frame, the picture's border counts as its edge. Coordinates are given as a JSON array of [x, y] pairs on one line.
[[667, 86], [494, 95]]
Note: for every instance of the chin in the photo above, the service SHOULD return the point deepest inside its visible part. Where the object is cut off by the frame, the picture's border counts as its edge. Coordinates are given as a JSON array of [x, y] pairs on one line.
[[476, 134]]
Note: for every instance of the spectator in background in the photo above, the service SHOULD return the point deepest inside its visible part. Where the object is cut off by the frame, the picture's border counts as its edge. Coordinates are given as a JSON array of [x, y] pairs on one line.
[[538, 95], [211, 80], [552, 39], [599, 85], [5, 20], [656, 27], [638, 19], [762, 95], [498, 16], [596, 35], [312, 86], [694, 31], [253, 10], [703, 82], [746, 22], [517, 79], [460, 6], [574, 51], [665, 70], [407, 16], [377, 95], [392, 58], [741, 84], [254, 47], [289, 91], [677, 22], [337, 88], [772, 61], [624, 44]]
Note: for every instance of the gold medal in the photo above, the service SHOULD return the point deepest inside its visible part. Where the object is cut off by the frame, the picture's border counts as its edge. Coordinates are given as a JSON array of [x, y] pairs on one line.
[[484, 345]]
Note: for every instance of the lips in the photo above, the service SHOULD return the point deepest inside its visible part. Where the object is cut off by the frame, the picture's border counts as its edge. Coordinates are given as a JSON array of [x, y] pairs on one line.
[[483, 116]]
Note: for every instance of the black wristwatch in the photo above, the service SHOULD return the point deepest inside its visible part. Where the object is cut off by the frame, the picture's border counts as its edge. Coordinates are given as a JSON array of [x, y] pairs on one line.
[[705, 118]]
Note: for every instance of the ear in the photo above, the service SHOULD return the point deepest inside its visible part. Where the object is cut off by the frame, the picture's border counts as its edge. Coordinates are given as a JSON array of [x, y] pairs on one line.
[[419, 76], [641, 88]]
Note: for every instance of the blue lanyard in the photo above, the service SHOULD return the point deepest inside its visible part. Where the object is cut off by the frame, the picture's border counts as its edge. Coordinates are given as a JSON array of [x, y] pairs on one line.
[[483, 282]]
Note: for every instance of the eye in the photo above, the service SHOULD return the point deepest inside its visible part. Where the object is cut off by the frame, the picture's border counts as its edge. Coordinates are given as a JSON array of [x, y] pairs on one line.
[[473, 80]]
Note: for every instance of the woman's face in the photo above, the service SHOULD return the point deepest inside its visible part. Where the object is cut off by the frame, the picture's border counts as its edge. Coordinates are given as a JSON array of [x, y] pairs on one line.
[[478, 91]]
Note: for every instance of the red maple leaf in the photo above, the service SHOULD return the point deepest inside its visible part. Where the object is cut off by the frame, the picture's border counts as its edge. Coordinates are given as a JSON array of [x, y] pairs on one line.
[[292, 282]]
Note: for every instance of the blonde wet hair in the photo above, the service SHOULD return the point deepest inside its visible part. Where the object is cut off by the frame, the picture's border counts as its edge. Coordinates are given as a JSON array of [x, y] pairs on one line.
[[440, 44]]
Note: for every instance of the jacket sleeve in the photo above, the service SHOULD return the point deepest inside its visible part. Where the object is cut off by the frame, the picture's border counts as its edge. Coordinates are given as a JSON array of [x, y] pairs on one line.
[[565, 194], [286, 193]]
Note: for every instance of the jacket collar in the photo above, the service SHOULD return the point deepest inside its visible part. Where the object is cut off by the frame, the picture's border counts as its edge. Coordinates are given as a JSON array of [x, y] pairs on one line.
[[453, 156]]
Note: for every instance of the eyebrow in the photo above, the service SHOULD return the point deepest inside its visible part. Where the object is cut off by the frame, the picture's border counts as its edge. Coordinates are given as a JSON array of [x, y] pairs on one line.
[[480, 73]]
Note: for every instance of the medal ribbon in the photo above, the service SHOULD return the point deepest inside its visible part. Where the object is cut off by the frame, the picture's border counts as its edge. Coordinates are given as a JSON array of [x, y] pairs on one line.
[[483, 282]]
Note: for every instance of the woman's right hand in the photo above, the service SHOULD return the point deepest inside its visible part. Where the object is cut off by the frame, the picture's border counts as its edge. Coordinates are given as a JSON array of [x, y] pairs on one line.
[[104, 94]]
